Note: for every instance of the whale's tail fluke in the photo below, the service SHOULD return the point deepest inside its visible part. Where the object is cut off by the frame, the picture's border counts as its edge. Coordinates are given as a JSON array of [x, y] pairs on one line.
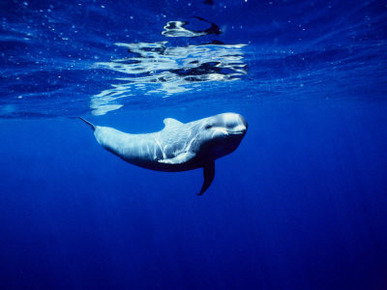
[[88, 123]]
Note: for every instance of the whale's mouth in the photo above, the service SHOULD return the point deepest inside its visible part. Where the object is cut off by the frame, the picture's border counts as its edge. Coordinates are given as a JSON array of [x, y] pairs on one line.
[[236, 133], [239, 130]]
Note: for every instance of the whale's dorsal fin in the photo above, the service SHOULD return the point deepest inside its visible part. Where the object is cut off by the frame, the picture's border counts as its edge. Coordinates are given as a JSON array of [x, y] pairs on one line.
[[170, 122]]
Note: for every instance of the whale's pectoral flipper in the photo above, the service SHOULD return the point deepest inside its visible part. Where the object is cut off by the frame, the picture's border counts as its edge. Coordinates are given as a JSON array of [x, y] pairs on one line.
[[208, 174], [179, 159]]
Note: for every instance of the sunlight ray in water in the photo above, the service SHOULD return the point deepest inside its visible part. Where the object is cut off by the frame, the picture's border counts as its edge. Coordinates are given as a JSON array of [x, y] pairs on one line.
[[155, 68]]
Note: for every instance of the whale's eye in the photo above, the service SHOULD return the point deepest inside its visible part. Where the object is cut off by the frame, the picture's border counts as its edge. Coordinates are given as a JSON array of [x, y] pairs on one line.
[[208, 126]]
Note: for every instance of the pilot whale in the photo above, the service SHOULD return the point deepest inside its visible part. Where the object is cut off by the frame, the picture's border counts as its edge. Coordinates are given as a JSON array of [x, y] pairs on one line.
[[178, 146]]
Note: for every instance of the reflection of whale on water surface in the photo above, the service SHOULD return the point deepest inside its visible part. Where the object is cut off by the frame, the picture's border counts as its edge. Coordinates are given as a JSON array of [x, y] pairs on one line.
[[157, 67]]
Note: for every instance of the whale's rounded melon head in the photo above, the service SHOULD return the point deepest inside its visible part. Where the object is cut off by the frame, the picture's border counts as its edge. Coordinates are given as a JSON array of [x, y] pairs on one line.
[[221, 134]]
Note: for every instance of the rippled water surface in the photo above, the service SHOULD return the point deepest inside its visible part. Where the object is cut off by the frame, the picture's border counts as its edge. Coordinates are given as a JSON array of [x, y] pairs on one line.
[[66, 59]]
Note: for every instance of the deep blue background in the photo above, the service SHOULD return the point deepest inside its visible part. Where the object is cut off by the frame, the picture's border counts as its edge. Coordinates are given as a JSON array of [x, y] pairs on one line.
[[300, 205]]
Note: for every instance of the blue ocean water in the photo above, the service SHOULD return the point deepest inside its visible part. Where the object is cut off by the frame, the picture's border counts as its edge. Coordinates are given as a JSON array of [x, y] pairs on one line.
[[301, 204]]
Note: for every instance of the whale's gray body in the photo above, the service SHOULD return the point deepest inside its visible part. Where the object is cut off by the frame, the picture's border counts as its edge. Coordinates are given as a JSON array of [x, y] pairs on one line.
[[179, 146]]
